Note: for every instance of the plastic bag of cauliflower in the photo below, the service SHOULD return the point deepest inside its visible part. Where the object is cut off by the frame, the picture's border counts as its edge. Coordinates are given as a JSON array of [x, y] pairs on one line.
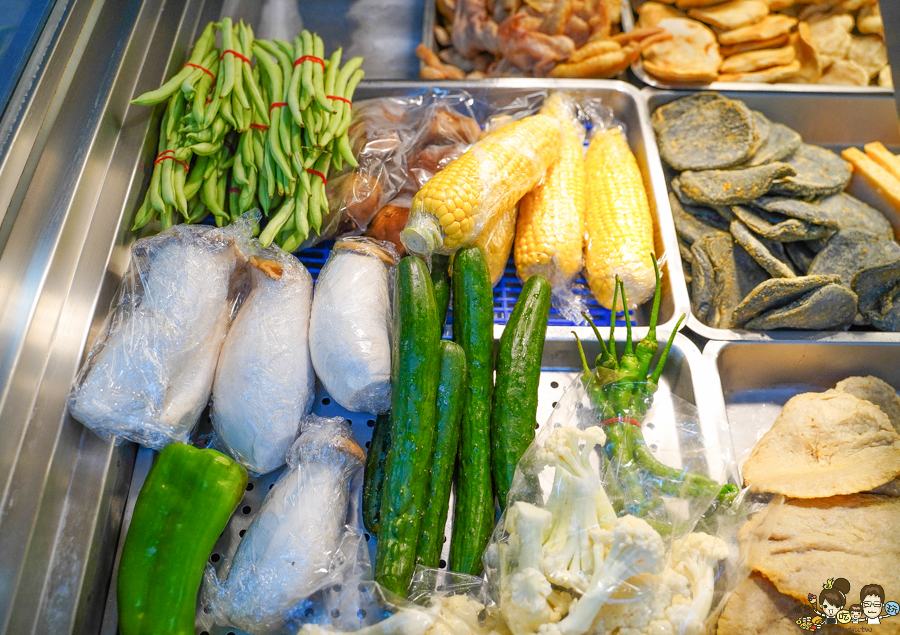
[[608, 531]]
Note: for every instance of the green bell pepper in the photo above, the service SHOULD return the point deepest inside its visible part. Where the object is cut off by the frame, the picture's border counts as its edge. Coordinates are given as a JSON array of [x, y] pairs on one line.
[[183, 507]]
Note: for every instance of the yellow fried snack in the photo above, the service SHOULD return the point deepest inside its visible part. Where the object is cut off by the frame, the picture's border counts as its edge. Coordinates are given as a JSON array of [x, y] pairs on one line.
[[831, 36], [692, 55], [773, 74], [754, 45], [769, 27], [732, 14], [869, 52], [758, 60], [825, 444], [845, 73]]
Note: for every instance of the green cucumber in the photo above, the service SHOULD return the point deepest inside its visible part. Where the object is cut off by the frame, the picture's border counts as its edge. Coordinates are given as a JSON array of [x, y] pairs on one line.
[[451, 399], [440, 279], [473, 330], [373, 481], [519, 354], [415, 372]]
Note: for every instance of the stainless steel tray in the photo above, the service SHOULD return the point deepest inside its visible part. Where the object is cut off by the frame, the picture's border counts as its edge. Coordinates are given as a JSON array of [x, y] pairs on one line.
[[630, 108], [638, 69], [835, 121], [684, 377], [757, 378]]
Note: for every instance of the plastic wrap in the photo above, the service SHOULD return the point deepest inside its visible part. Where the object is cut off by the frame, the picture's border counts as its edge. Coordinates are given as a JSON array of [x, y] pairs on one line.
[[350, 327], [584, 549], [149, 375], [304, 557], [489, 178], [264, 380]]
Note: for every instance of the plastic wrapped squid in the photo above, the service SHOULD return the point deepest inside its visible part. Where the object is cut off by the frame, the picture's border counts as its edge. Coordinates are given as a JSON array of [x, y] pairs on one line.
[[304, 539], [149, 375], [264, 381], [350, 327]]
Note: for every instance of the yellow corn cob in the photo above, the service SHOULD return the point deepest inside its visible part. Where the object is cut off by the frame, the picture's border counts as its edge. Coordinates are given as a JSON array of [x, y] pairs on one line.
[[456, 203], [496, 240], [618, 222], [550, 229]]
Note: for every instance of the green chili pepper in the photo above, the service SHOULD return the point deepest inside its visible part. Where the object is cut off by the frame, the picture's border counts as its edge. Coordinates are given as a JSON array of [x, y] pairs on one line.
[[184, 505]]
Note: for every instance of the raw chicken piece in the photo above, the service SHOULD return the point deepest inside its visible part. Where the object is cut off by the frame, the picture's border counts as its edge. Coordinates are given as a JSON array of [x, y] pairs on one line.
[[265, 382], [350, 327], [300, 536], [149, 378]]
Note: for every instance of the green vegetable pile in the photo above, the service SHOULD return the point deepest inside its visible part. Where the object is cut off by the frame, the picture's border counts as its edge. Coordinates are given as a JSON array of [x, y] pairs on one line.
[[620, 390], [235, 136]]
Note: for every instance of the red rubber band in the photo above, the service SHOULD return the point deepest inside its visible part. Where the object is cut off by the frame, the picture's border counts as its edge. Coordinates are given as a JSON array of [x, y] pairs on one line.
[[234, 190], [205, 70], [170, 154], [310, 58], [621, 420], [260, 126], [235, 53], [277, 104], [318, 174], [343, 99]]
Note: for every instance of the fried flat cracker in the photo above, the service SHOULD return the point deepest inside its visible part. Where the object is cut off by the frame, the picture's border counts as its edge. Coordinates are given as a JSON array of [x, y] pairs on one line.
[[732, 14], [776, 227], [691, 55], [869, 53], [757, 608], [650, 13], [814, 540], [713, 134], [687, 4], [850, 251], [800, 254], [845, 73], [743, 47], [732, 187], [758, 60], [779, 144], [768, 75], [773, 25], [830, 308], [810, 63], [819, 172], [703, 277], [689, 228], [885, 79], [879, 295], [668, 113], [869, 20], [831, 36], [844, 211], [876, 391], [775, 292], [762, 253], [825, 444]]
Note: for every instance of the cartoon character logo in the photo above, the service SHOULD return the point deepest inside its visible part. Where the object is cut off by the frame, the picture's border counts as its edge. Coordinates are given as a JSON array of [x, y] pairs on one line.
[[871, 597], [828, 607]]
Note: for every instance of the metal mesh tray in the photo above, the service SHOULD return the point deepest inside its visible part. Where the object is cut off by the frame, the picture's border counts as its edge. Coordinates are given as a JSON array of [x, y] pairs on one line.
[[684, 377], [638, 69], [833, 121], [757, 378]]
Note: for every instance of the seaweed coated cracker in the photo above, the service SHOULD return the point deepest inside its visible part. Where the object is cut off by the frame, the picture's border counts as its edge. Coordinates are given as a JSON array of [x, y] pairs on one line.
[[778, 227], [732, 187], [688, 226], [819, 172], [776, 292], [832, 307], [780, 143], [733, 272], [848, 211], [762, 252], [718, 133], [879, 295], [663, 116], [800, 254], [852, 250], [807, 211]]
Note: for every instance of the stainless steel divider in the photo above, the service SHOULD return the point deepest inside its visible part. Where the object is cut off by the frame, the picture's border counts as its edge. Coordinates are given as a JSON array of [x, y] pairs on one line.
[[62, 489]]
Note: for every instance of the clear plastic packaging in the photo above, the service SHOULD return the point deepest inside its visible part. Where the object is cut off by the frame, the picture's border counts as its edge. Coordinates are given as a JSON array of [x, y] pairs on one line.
[[591, 544], [304, 557], [265, 382], [350, 327], [149, 375]]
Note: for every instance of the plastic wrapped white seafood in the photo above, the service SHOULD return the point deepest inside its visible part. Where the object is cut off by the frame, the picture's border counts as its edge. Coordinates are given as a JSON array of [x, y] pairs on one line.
[[149, 374], [304, 539], [264, 381], [350, 327]]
